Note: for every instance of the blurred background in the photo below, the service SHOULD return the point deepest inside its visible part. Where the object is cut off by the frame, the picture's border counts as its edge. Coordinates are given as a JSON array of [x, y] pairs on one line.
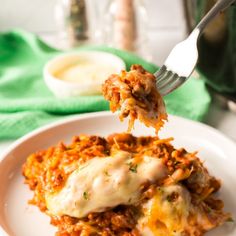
[[166, 24]]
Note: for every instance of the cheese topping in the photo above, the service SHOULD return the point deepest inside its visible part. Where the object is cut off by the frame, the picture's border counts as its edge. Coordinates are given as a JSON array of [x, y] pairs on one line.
[[167, 212], [105, 182]]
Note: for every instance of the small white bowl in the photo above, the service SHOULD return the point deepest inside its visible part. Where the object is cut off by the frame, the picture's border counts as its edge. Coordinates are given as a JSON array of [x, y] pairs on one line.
[[80, 73]]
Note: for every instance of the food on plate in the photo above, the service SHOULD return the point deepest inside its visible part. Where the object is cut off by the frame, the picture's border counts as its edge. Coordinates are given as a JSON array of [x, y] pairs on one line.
[[124, 185], [136, 95]]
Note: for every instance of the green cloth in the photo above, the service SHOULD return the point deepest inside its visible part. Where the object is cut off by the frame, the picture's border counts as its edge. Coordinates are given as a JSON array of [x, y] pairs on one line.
[[26, 103], [217, 60]]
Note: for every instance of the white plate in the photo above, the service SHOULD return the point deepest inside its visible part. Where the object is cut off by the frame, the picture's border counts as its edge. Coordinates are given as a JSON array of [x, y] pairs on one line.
[[20, 219]]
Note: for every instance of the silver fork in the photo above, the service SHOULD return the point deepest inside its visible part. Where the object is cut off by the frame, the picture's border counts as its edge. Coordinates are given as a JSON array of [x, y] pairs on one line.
[[182, 60]]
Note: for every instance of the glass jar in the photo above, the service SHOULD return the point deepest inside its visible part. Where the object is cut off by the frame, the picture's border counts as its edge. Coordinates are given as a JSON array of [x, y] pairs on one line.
[[124, 26], [72, 22]]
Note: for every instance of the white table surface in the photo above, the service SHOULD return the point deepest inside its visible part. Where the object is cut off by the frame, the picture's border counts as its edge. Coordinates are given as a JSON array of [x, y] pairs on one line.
[[219, 118]]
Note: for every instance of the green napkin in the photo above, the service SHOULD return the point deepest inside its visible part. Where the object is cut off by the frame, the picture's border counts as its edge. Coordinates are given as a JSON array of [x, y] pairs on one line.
[[26, 103]]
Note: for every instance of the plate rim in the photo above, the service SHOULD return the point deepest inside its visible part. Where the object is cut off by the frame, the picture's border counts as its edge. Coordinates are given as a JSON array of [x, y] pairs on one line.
[[99, 114]]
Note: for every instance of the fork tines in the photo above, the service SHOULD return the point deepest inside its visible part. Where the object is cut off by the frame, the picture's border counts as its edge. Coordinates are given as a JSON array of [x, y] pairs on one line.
[[167, 81]]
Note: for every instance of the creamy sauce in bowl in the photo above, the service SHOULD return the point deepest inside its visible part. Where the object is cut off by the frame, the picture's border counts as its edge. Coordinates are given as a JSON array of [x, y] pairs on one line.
[[80, 73], [85, 71]]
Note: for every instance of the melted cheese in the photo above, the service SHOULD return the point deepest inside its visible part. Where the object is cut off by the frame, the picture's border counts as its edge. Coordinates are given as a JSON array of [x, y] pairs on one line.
[[103, 183], [166, 216]]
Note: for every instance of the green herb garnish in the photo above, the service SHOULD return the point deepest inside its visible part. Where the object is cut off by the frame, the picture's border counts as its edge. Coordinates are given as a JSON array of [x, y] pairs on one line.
[[230, 219], [85, 195], [133, 167]]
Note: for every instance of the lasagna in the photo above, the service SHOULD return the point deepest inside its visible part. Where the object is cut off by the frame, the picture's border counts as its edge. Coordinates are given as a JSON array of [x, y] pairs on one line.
[[136, 95], [124, 185]]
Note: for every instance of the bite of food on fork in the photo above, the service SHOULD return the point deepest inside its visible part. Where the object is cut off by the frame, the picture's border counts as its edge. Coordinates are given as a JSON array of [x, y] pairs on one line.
[[136, 95]]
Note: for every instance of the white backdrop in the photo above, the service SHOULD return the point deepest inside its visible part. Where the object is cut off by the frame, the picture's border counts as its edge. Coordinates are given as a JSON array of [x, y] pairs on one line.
[[38, 15], [166, 25]]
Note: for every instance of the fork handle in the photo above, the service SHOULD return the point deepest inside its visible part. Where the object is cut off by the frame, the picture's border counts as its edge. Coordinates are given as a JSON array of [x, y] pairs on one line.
[[219, 6]]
